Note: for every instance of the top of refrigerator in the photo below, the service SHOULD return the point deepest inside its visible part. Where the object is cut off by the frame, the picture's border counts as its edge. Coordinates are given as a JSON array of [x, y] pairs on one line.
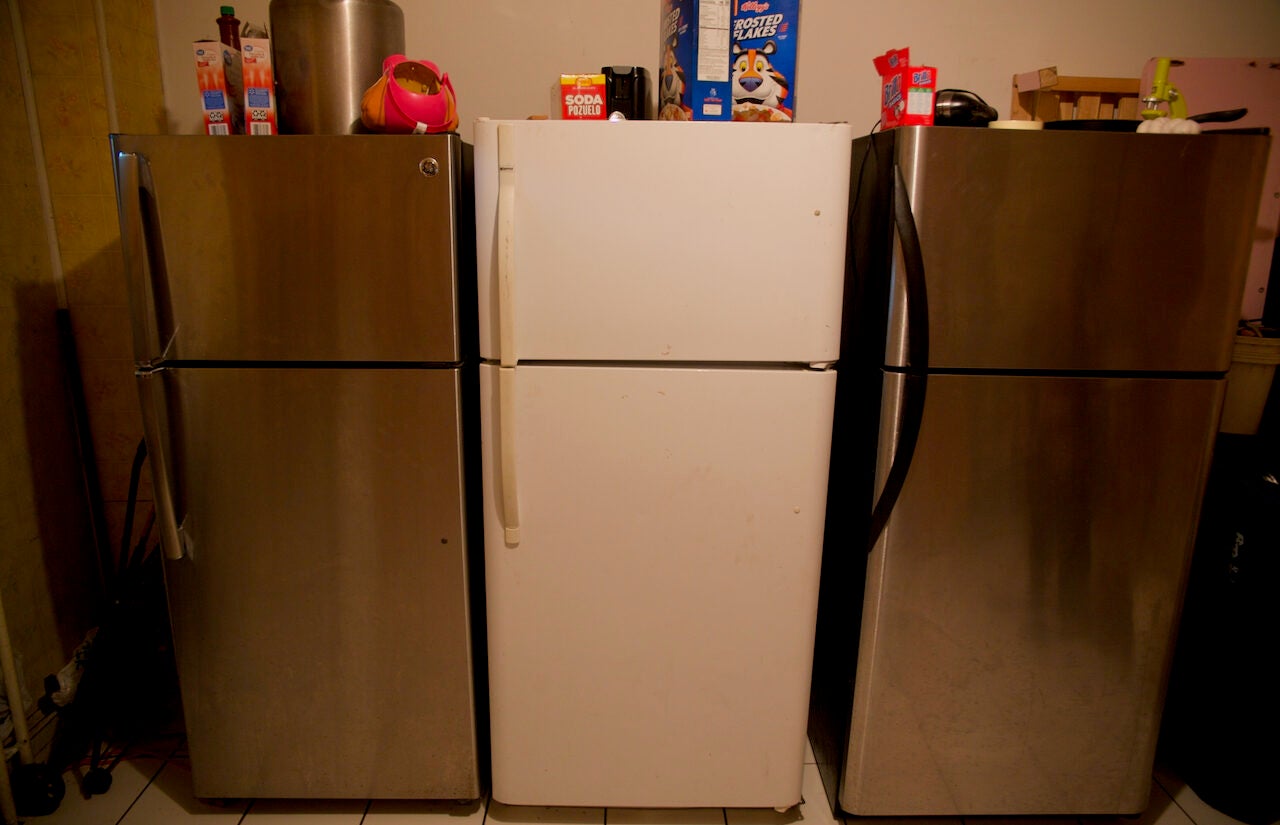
[[309, 248], [1065, 250], [650, 241]]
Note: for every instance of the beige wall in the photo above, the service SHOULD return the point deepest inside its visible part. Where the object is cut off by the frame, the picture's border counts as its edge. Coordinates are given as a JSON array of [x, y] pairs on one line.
[[61, 249], [503, 55]]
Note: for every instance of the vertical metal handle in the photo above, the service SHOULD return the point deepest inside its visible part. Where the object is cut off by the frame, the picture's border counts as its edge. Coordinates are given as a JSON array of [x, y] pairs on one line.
[[915, 383], [506, 336], [155, 426], [133, 183]]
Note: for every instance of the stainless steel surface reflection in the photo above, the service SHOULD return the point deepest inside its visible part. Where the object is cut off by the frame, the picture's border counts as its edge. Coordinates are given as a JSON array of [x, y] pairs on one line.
[[1070, 251], [326, 53], [1021, 605], [318, 248], [320, 613]]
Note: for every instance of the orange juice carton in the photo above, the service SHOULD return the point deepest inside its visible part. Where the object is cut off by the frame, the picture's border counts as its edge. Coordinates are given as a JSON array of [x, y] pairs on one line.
[[693, 67], [906, 91], [763, 54], [259, 86], [223, 110], [582, 97]]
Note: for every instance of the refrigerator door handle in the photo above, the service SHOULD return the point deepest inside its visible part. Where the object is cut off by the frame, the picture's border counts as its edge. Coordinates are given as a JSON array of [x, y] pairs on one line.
[[507, 454], [506, 247], [151, 394], [915, 381], [143, 258]]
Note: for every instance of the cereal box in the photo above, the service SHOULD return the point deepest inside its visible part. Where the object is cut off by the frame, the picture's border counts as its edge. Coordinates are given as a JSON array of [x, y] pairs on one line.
[[906, 91], [221, 108], [763, 53], [259, 86], [693, 73], [582, 97]]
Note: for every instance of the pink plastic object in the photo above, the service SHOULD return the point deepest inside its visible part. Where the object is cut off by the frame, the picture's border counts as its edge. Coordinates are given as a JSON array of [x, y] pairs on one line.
[[435, 110]]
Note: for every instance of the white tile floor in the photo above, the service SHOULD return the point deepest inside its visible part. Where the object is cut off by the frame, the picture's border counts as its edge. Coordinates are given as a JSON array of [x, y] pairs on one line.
[[153, 787]]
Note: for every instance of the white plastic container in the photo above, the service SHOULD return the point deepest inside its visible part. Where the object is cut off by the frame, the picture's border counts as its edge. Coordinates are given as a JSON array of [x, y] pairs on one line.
[[1253, 366]]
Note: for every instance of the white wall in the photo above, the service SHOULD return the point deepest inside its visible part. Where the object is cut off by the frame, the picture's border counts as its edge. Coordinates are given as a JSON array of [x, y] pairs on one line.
[[504, 55]]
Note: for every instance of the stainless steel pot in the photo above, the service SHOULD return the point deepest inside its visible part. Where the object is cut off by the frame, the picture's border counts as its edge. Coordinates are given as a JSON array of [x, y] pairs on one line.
[[325, 54]]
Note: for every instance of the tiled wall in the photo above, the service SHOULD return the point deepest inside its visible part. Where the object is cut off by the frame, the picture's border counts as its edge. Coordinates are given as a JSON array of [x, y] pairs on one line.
[[48, 567]]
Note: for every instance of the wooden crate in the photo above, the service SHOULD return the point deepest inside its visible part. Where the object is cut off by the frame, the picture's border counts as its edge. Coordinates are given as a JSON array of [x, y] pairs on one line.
[[1046, 95]]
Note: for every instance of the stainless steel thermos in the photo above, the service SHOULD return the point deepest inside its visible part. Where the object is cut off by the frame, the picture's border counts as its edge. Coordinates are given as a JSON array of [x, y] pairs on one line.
[[326, 53]]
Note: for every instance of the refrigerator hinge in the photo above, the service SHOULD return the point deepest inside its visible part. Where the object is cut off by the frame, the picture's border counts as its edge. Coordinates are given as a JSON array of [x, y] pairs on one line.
[[149, 368]]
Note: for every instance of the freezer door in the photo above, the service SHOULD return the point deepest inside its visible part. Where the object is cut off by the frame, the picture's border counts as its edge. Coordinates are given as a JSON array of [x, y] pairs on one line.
[[1077, 250], [651, 636], [320, 608], [297, 248], [648, 241], [1021, 605]]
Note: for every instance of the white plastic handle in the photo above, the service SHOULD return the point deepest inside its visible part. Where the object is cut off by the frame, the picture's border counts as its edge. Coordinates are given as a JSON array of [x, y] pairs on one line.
[[506, 248], [507, 336], [507, 447]]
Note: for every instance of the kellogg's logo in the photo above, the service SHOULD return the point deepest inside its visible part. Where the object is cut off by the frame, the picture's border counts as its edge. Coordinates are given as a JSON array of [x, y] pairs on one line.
[[754, 5]]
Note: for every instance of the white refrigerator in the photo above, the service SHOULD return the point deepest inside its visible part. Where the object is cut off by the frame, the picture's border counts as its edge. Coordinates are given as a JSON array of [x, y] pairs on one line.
[[659, 322]]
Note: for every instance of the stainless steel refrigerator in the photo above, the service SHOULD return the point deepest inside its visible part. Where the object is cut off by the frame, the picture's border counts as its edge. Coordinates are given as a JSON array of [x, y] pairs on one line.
[[307, 383], [1040, 323]]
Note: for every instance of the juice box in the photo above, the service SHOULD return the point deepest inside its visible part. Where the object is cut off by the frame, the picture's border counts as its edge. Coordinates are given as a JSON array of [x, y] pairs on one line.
[[763, 52], [693, 67], [582, 97], [906, 91], [259, 86], [223, 110]]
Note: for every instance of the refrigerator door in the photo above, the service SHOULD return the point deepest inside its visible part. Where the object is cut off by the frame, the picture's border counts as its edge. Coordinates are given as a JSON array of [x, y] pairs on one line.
[[294, 248], [1021, 604], [649, 241], [651, 637], [320, 607], [1098, 251]]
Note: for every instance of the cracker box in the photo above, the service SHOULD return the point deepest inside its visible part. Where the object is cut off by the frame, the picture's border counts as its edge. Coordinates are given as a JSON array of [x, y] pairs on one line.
[[906, 91], [763, 54], [582, 97], [259, 86], [693, 67], [222, 109]]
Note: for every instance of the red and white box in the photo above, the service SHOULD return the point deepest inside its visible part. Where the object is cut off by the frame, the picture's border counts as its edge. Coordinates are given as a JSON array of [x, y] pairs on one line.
[[258, 77], [906, 92], [221, 107], [582, 97]]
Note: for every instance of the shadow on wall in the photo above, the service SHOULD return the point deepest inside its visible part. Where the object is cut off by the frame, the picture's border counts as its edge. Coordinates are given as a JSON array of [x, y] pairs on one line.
[[61, 507]]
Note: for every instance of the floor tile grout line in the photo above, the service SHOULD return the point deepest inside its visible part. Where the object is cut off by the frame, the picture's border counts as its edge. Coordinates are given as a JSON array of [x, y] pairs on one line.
[[145, 788], [1174, 799]]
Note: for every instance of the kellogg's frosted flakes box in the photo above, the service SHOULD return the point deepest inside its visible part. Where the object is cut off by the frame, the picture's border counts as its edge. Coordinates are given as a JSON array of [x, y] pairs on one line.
[[693, 71], [763, 53]]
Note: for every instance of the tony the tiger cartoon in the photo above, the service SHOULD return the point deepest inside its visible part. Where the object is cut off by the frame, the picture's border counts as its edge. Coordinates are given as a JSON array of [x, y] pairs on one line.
[[763, 59], [759, 90], [671, 86]]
